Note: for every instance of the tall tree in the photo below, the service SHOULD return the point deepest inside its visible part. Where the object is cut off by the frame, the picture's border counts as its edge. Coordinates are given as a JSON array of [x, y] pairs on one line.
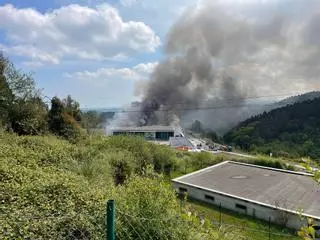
[[72, 107], [6, 96], [21, 106], [29, 117], [61, 122]]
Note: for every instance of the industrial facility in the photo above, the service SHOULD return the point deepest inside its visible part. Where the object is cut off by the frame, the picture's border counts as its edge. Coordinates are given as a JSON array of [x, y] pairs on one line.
[[155, 133], [280, 196], [181, 143]]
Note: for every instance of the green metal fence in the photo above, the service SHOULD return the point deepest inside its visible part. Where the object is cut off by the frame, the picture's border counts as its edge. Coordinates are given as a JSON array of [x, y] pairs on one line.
[[115, 223]]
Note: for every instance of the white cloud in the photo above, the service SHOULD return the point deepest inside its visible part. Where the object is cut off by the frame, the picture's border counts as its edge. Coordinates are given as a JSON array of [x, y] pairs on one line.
[[74, 32], [145, 68], [140, 71], [32, 64]]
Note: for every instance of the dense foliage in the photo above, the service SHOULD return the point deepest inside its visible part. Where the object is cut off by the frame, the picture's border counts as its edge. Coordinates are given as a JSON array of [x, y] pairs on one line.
[[23, 110], [21, 107], [52, 189], [290, 131]]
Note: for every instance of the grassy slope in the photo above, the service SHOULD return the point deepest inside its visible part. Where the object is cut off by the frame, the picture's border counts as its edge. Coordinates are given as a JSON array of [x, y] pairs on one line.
[[51, 189], [246, 226]]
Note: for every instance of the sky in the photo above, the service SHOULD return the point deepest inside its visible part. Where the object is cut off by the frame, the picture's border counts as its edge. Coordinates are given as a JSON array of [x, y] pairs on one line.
[[93, 50], [99, 50]]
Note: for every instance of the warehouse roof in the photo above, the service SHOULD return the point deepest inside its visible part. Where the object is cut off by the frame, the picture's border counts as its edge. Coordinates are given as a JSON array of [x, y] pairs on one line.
[[153, 128], [286, 190]]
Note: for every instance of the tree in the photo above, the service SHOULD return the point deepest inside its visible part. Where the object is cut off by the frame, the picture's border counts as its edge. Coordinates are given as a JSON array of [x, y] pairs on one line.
[[29, 117], [72, 107], [6, 96], [90, 120], [21, 107], [293, 129], [61, 122]]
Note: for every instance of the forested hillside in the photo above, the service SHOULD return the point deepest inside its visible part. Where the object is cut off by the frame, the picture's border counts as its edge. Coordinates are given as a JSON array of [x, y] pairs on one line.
[[293, 131], [299, 98]]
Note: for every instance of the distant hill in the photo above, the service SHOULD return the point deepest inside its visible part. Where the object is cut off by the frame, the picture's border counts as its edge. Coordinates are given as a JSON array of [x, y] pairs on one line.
[[298, 98], [99, 110], [293, 130]]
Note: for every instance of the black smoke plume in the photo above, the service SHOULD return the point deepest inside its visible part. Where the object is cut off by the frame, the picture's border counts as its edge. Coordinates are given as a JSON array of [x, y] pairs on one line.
[[217, 56]]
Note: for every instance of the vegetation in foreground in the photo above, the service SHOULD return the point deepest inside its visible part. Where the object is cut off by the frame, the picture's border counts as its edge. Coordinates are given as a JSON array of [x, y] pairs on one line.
[[53, 189], [247, 227]]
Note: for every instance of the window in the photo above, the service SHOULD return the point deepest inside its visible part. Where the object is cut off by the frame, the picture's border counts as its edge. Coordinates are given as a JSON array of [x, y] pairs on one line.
[[241, 207], [208, 197], [182, 190]]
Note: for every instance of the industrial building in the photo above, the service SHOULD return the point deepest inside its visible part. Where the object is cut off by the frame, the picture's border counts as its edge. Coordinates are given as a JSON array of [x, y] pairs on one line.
[[261, 192], [156, 133]]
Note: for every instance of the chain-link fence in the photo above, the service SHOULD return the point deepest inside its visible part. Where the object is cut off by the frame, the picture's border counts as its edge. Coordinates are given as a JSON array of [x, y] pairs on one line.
[[73, 226], [117, 224], [141, 228]]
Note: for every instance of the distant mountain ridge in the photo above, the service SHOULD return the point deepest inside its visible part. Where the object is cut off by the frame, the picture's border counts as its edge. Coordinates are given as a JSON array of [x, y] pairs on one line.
[[99, 110], [298, 98]]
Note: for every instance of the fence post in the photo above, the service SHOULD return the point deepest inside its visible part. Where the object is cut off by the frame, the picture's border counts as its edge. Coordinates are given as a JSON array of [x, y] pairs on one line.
[[220, 218], [111, 220], [269, 228]]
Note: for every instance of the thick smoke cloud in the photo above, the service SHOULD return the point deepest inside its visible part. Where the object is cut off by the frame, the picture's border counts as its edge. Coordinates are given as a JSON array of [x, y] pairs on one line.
[[216, 53]]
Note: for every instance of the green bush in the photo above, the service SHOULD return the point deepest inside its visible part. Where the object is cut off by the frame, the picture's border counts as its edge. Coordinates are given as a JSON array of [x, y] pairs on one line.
[[148, 209], [52, 189]]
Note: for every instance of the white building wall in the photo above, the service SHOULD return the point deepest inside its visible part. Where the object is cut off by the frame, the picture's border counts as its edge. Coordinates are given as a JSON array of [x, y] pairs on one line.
[[254, 210]]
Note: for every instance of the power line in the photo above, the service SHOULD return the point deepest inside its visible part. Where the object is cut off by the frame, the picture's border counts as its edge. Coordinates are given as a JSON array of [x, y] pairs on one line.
[[192, 108], [188, 107]]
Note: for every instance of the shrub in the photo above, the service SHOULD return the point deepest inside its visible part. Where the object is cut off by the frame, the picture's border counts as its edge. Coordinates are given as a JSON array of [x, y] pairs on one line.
[[52, 189], [149, 209]]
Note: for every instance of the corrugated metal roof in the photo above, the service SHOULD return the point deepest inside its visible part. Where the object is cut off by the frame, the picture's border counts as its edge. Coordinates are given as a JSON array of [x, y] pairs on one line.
[[154, 128], [281, 189]]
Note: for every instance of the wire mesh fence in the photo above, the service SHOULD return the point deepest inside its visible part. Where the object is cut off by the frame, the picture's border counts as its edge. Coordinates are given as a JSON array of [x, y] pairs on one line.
[[127, 226], [52, 226], [141, 227]]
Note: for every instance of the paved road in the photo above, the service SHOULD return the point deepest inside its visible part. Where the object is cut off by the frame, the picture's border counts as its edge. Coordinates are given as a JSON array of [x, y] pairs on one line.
[[239, 154]]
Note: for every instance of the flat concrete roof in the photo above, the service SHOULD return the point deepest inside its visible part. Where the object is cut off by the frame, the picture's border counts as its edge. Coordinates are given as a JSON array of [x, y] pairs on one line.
[[286, 190], [154, 128]]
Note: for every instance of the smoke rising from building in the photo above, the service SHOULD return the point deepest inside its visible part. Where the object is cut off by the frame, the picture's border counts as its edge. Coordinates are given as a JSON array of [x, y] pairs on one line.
[[215, 53]]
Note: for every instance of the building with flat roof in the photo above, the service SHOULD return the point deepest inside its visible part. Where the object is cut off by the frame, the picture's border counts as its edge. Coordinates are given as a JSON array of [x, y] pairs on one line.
[[157, 133], [262, 192]]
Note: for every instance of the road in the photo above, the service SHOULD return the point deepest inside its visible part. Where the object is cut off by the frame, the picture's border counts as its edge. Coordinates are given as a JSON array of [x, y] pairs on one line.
[[239, 154]]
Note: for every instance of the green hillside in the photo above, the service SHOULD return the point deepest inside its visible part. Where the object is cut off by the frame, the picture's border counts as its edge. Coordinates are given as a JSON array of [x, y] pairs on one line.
[[292, 131], [52, 189]]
